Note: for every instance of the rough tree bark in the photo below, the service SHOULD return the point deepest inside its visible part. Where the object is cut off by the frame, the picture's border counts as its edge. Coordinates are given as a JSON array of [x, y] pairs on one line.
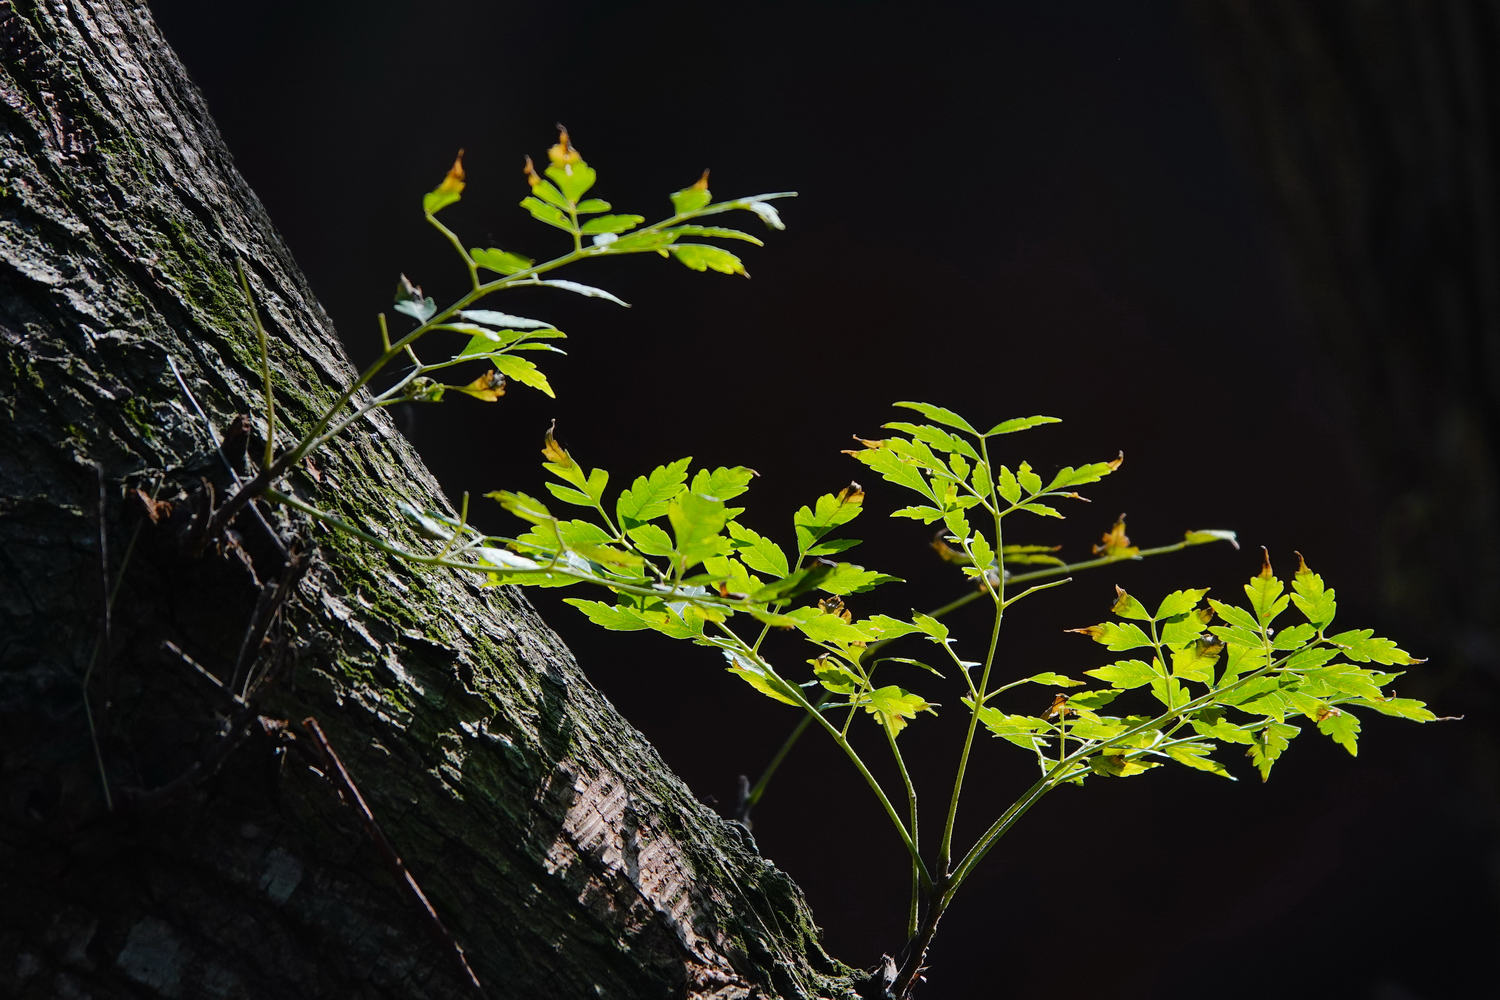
[[549, 835]]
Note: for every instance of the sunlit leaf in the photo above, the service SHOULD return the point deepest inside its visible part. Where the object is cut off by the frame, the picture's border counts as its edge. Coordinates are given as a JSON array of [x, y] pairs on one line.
[[448, 191], [587, 290], [1020, 424], [693, 197], [895, 706], [611, 224], [500, 261], [943, 416], [1125, 673]]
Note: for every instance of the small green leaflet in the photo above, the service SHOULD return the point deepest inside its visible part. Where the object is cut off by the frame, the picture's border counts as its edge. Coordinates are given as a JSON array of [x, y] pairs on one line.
[[1097, 698], [1125, 674], [1029, 480], [1269, 745], [1207, 535], [847, 578], [1047, 677], [885, 627], [702, 257], [1128, 607], [1069, 476], [894, 706], [936, 630], [936, 437], [758, 552], [828, 513], [522, 371], [1196, 755], [573, 179], [943, 416], [833, 546], [799, 582], [1236, 616], [1018, 729], [1114, 636], [1115, 764], [1266, 595], [586, 290], [722, 484], [690, 199], [767, 684], [831, 628], [696, 523], [615, 619], [1020, 424], [1401, 708], [1315, 601], [834, 675], [500, 261], [647, 497], [1361, 646], [543, 212], [651, 540], [894, 469], [420, 310], [611, 224], [592, 206], [1341, 727], [499, 319], [719, 231], [1179, 602]]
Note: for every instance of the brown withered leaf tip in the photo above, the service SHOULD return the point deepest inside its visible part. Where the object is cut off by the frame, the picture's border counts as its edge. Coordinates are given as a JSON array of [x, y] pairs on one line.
[[1265, 570], [454, 182], [853, 493], [835, 606], [489, 387], [1059, 707], [156, 510], [1114, 541], [563, 154], [554, 452], [701, 184]]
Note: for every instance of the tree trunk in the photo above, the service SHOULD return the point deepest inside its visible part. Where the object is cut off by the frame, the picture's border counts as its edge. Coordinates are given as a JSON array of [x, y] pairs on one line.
[[1375, 126], [191, 849]]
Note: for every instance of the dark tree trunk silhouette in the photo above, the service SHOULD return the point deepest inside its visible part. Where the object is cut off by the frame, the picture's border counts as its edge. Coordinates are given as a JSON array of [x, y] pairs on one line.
[[195, 847], [1375, 127]]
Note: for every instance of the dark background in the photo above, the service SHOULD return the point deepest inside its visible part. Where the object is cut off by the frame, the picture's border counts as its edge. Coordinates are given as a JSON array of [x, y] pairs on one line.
[[1078, 209]]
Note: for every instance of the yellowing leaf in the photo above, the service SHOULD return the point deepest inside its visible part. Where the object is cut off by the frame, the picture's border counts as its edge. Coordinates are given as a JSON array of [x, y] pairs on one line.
[[448, 191], [489, 387], [893, 706], [1115, 543]]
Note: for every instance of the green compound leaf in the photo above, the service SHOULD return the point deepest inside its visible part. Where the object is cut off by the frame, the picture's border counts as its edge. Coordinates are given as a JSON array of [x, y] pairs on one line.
[[895, 706], [1020, 424], [1270, 743], [499, 261], [943, 416], [1125, 674]]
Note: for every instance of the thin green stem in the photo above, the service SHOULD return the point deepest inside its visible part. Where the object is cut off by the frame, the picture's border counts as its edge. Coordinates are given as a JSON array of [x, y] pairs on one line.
[[796, 693], [945, 851], [457, 245], [911, 799]]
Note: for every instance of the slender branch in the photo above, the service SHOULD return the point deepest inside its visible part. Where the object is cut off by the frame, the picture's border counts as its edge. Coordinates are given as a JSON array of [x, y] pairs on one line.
[[911, 799]]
